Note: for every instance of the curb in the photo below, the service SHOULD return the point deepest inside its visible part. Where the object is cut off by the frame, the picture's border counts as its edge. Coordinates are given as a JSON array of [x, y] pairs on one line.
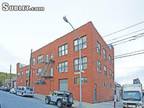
[[39, 97]]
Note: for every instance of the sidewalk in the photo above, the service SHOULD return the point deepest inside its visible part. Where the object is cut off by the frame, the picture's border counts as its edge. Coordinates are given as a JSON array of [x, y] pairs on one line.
[[96, 105], [85, 105]]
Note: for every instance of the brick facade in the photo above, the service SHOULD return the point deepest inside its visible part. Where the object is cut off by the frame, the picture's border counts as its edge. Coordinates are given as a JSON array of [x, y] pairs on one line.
[[59, 61]]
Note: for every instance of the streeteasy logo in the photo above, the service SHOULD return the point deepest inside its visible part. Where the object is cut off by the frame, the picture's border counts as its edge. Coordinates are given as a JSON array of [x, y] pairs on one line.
[[7, 7]]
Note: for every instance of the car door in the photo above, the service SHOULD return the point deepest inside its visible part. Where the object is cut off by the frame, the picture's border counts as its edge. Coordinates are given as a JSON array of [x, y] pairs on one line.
[[54, 97], [18, 91]]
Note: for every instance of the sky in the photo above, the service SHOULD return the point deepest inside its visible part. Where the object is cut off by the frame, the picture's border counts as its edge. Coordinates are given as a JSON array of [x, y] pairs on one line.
[[22, 31]]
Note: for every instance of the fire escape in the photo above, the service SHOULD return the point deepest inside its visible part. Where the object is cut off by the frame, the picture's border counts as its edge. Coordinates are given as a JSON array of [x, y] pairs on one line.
[[48, 68], [47, 72]]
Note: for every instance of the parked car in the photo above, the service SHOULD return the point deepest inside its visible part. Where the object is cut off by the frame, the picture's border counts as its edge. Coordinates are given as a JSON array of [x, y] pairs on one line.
[[13, 90], [60, 98], [4, 88], [25, 91]]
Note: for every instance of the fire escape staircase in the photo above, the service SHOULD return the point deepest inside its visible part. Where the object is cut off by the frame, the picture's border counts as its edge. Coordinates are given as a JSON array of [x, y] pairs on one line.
[[47, 69]]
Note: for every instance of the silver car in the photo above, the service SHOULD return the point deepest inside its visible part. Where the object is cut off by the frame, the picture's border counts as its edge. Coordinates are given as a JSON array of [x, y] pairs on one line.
[[60, 98], [25, 91], [13, 90]]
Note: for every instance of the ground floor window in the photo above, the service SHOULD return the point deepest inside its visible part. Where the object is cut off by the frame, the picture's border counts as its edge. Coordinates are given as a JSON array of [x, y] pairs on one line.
[[77, 80], [63, 84]]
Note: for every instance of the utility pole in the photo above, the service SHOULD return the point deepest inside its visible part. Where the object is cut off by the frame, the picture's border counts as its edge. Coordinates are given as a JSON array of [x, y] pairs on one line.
[[5, 79], [10, 75], [30, 69]]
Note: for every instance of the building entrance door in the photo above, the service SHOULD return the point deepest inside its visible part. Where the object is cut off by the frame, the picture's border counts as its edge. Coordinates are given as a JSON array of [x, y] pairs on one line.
[[63, 84], [26, 82], [95, 94]]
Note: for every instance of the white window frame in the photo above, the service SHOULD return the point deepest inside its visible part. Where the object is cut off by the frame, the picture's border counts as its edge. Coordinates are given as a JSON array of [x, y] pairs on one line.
[[80, 43], [63, 67], [63, 50]]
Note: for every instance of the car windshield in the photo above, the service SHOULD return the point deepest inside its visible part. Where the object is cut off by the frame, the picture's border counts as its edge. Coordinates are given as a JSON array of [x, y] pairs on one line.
[[132, 95]]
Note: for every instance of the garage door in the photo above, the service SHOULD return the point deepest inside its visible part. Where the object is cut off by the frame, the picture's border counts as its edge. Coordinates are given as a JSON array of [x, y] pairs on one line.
[[63, 84]]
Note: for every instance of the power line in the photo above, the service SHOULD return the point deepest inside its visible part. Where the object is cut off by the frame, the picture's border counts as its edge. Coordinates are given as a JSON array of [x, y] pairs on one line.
[[126, 34], [130, 54], [124, 29], [123, 42], [134, 37]]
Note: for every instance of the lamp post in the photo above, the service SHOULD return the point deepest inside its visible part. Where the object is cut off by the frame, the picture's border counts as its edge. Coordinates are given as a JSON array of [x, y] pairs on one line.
[[80, 62]]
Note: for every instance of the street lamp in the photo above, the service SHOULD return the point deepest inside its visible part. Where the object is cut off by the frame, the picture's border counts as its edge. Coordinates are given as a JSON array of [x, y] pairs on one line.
[[80, 59]]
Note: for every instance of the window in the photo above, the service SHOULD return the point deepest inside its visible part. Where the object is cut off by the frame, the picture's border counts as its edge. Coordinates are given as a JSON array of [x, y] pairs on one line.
[[110, 59], [46, 59], [33, 61], [80, 43], [52, 56], [63, 84], [41, 82], [98, 66], [18, 74], [63, 50], [110, 73], [104, 54], [63, 67], [39, 72], [21, 65], [105, 70], [51, 71], [27, 73], [83, 80], [22, 73], [40, 59], [98, 47], [80, 65]]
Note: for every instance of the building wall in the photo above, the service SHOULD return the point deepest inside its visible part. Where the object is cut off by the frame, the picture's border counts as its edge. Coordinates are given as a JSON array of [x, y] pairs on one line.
[[95, 79], [104, 93]]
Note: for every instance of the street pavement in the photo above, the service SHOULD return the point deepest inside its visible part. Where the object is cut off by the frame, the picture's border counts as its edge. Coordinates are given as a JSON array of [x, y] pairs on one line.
[[8, 100]]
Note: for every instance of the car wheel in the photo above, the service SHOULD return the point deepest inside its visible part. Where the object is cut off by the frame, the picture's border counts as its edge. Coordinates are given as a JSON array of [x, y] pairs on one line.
[[47, 100], [59, 103], [70, 105], [22, 94]]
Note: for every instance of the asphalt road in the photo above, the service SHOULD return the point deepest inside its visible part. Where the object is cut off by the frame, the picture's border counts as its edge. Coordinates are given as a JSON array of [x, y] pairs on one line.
[[8, 100]]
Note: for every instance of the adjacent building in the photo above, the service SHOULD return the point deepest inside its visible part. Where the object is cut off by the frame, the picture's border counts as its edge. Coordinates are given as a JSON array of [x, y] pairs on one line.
[[136, 81], [54, 66]]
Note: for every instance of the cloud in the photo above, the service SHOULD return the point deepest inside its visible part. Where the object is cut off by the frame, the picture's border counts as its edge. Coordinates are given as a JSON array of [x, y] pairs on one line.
[[6, 58], [128, 78]]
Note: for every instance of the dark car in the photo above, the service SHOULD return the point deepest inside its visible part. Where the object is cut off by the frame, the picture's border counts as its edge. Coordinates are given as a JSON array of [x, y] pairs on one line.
[[7, 89]]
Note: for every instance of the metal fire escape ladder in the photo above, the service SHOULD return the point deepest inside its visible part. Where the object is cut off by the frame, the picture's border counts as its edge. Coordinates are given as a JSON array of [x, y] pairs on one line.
[[47, 68]]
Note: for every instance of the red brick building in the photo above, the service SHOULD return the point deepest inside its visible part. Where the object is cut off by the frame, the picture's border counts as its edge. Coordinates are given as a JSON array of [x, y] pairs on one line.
[[54, 66]]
